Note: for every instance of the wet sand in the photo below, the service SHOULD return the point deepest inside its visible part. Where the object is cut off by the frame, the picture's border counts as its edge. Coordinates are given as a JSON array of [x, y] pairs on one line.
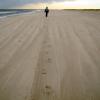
[[57, 58]]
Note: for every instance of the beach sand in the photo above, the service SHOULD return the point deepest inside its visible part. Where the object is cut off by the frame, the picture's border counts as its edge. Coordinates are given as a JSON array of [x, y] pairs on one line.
[[54, 58]]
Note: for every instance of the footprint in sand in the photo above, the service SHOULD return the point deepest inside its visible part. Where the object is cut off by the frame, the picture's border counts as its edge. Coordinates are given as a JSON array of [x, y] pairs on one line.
[[48, 89], [44, 73], [49, 60]]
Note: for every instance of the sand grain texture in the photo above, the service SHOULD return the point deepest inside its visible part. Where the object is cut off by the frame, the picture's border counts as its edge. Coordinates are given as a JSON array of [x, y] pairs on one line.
[[57, 58]]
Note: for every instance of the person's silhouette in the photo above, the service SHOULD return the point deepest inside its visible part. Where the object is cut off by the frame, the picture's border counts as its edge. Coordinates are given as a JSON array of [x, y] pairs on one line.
[[46, 11]]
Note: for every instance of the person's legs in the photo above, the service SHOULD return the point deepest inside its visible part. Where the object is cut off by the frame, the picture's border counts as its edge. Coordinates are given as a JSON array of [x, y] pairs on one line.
[[46, 14]]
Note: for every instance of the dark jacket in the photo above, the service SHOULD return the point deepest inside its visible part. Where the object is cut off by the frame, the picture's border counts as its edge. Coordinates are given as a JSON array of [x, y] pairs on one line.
[[46, 10]]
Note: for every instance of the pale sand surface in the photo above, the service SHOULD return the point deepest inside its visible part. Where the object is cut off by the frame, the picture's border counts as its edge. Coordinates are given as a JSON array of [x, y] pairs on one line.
[[50, 59]]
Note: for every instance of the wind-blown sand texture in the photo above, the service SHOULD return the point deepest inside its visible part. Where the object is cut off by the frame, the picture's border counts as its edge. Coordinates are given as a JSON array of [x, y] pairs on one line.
[[57, 58]]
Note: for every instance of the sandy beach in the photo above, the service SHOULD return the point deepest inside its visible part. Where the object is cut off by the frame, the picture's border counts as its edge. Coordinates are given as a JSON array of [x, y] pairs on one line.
[[57, 58]]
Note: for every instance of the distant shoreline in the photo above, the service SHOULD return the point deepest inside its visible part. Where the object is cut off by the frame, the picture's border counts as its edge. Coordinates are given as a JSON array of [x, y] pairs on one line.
[[84, 9], [12, 12]]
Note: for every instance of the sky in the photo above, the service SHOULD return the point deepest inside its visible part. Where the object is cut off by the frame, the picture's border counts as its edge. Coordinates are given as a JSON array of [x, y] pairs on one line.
[[52, 4]]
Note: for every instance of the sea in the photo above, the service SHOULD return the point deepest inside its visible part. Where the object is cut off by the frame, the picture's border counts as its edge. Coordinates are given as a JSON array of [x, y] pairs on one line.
[[13, 12]]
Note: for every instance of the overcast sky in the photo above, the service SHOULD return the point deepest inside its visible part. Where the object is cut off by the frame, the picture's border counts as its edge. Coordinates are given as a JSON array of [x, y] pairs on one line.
[[56, 3]]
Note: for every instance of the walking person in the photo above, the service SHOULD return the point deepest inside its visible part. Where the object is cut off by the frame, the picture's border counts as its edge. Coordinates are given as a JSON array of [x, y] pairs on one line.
[[46, 12]]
